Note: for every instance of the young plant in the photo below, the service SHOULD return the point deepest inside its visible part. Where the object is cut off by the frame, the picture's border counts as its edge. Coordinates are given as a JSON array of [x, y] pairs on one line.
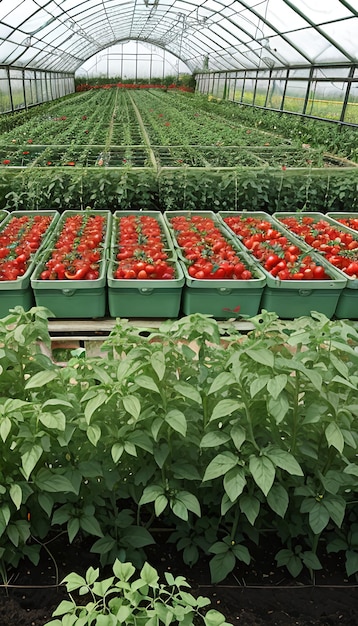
[[119, 600]]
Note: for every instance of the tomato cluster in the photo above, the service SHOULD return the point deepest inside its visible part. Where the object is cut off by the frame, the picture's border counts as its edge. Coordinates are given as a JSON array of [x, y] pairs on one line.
[[77, 251], [20, 239], [142, 249], [339, 247], [351, 222], [275, 252], [209, 253]]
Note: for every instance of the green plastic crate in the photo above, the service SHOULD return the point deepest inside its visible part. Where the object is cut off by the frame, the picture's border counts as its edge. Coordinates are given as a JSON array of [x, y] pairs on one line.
[[72, 299], [347, 305], [3, 214], [19, 292], [296, 298], [223, 299], [336, 215], [144, 298]]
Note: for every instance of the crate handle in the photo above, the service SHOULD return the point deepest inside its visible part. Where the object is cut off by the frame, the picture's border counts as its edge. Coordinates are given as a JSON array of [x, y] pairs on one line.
[[145, 291], [68, 292], [223, 291], [305, 292]]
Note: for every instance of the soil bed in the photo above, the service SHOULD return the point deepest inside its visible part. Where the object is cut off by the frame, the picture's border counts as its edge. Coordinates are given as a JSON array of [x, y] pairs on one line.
[[255, 595]]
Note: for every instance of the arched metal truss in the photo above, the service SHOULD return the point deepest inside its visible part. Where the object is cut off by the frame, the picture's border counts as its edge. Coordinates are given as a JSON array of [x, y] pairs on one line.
[[60, 35]]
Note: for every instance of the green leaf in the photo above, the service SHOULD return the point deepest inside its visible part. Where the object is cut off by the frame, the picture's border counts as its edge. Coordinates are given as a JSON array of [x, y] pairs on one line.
[[258, 384], [146, 383], [117, 451], [318, 518], [220, 464], [177, 420], [94, 403], [179, 509], [311, 560], [190, 501], [73, 527], [278, 407], [277, 499], [224, 379], [41, 378], [160, 504], [241, 552], [132, 406], [188, 391], [150, 493], [351, 562], [56, 420], [285, 460], [250, 506], [149, 575], [5, 428], [276, 385], [136, 537], [158, 363], [214, 618], [123, 571], [16, 495], [104, 545], [46, 503], [30, 458], [94, 434], [91, 525], [344, 381], [334, 437], [224, 408], [336, 507], [263, 472], [214, 439], [50, 482], [234, 482], [262, 356], [238, 436], [221, 565], [64, 607]]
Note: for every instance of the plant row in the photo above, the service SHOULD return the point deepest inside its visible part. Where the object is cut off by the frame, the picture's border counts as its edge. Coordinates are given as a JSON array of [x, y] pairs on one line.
[[222, 440]]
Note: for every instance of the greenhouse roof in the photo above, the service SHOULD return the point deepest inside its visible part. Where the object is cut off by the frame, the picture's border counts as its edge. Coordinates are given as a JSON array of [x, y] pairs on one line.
[[59, 35]]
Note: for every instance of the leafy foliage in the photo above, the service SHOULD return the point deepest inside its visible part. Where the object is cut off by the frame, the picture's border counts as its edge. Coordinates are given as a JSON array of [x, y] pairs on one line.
[[222, 437]]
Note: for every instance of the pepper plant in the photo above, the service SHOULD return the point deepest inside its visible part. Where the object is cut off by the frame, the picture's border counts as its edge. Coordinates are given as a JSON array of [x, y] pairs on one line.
[[223, 437]]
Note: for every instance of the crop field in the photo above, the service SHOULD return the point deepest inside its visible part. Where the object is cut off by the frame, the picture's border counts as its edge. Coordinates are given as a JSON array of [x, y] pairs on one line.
[[145, 148]]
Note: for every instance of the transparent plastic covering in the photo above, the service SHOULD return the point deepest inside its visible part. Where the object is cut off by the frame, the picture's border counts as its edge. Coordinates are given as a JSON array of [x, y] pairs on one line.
[[60, 35]]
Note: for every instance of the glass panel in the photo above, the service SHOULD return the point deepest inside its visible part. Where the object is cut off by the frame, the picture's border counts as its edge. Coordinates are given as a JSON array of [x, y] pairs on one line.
[[295, 96], [249, 88], [17, 89], [262, 85], [351, 115], [5, 101]]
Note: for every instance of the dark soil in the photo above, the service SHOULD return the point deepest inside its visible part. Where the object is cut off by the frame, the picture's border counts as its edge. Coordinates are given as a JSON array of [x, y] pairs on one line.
[[258, 595]]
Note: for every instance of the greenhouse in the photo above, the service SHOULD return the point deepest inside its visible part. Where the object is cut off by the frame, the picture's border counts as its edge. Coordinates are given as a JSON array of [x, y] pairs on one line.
[[178, 312]]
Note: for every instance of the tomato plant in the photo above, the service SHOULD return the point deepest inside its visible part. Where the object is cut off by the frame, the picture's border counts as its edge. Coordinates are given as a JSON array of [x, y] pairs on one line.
[[20, 238], [339, 246], [274, 250], [141, 249], [207, 249], [78, 248]]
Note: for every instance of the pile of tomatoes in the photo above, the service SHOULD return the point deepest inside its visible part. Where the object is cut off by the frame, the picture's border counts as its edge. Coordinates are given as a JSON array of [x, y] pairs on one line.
[[78, 249], [339, 247], [142, 249], [207, 250], [19, 240], [273, 249], [351, 222]]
